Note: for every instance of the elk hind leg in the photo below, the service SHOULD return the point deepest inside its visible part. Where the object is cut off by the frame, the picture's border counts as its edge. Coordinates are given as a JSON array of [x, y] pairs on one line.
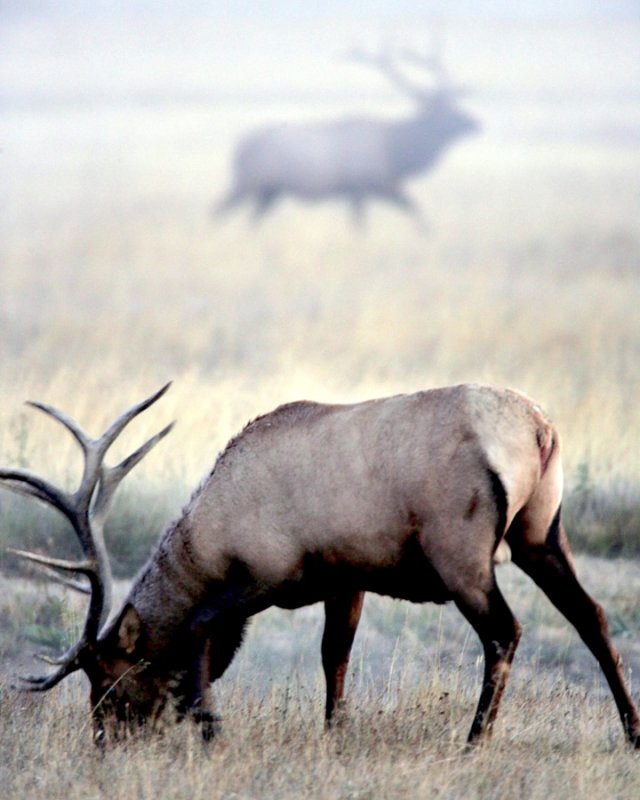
[[550, 566], [342, 615], [499, 632]]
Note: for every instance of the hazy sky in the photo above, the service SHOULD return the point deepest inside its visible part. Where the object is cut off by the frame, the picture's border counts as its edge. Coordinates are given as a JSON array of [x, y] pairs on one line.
[[271, 8], [51, 48]]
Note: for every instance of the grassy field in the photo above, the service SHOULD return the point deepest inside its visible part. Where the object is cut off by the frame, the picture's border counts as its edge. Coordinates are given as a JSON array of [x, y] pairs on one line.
[[279, 750], [115, 278], [414, 681]]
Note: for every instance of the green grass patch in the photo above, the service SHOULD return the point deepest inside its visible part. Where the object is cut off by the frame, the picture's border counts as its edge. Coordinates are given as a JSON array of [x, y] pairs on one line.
[[603, 520], [42, 621]]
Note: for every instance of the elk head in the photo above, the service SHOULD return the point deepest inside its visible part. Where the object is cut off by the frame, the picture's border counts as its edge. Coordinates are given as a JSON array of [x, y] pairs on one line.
[[434, 95], [112, 660]]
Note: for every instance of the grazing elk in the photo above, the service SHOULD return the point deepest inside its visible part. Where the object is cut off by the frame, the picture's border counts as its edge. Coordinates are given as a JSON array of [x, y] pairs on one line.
[[356, 158], [412, 496]]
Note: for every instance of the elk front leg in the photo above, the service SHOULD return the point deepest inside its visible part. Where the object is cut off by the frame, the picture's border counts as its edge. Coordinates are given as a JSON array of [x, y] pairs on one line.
[[342, 615], [216, 639], [550, 566], [194, 692], [499, 633]]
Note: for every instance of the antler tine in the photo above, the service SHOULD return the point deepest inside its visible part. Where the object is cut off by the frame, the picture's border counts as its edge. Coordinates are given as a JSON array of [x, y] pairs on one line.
[[432, 62], [53, 662], [41, 683], [95, 450], [85, 567], [23, 481], [112, 476], [118, 425], [69, 662], [384, 61], [70, 424], [70, 583]]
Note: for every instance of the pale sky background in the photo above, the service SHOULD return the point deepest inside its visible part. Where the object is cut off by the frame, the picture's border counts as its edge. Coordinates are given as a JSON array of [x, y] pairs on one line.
[[141, 50]]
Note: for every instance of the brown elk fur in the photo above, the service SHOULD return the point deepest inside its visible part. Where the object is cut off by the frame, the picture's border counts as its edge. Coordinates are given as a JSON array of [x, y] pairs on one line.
[[413, 496]]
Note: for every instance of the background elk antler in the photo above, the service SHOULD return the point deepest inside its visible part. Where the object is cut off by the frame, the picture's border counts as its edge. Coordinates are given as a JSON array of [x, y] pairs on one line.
[[87, 510]]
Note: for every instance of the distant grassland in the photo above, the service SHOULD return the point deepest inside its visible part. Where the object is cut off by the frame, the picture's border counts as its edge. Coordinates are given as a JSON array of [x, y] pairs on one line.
[[115, 278]]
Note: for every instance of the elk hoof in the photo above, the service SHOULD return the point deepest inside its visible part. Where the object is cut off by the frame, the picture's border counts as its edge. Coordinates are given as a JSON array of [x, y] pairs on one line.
[[210, 724]]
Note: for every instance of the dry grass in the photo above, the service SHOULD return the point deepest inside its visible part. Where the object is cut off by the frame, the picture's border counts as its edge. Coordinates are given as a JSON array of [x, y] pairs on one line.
[[407, 749], [114, 278], [413, 687]]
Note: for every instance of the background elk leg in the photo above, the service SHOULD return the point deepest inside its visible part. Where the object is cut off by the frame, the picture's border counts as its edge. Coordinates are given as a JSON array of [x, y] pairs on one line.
[[342, 615]]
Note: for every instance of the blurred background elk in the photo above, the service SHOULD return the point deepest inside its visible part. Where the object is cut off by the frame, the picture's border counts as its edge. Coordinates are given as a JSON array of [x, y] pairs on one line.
[[355, 158]]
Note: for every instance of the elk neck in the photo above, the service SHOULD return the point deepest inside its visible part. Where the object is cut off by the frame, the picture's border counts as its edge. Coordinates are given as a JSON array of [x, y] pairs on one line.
[[169, 588], [419, 140]]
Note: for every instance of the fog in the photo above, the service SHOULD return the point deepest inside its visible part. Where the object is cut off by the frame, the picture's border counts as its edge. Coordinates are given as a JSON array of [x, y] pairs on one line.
[[121, 122]]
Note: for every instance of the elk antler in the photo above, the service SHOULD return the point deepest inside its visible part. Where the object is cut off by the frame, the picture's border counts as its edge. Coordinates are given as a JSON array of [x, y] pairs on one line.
[[386, 64], [389, 63], [86, 509]]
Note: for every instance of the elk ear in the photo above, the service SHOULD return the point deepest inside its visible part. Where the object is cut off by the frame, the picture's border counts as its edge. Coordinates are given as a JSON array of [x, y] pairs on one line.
[[129, 629]]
